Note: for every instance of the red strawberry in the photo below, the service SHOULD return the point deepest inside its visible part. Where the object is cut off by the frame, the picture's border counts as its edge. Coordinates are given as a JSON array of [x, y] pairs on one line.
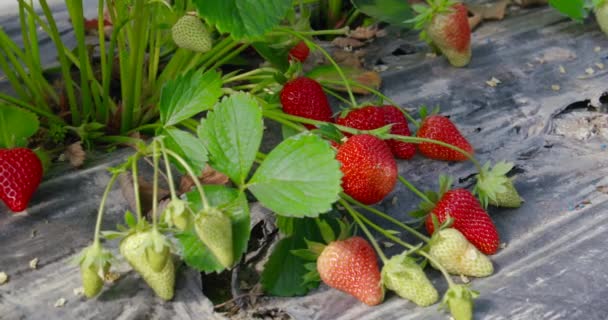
[[304, 97], [370, 171], [351, 266], [299, 52], [469, 218], [394, 116], [365, 118], [441, 128], [20, 175], [446, 25]]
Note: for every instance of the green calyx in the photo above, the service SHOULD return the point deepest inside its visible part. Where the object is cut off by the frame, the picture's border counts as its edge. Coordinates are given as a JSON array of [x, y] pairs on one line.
[[157, 250], [426, 13], [459, 300], [177, 214], [426, 207], [495, 188]]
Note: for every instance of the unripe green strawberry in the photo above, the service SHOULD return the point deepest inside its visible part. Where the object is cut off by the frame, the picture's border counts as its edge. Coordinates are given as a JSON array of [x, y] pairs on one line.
[[94, 264], [459, 300], [177, 214], [157, 250], [162, 282], [91, 281], [190, 33], [404, 276], [457, 255], [214, 228], [601, 15], [509, 198]]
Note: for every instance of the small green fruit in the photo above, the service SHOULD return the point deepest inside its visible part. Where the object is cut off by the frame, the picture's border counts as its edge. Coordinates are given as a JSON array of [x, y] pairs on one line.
[[163, 282], [457, 255], [91, 281], [404, 276], [214, 229], [507, 199], [601, 15], [459, 300], [190, 33]]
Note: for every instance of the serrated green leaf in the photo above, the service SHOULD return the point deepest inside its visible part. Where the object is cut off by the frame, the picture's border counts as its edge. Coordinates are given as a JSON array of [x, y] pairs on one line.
[[243, 18], [392, 11], [300, 177], [188, 147], [276, 56], [234, 203], [284, 272], [232, 133], [189, 95], [575, 9], [16, 126]]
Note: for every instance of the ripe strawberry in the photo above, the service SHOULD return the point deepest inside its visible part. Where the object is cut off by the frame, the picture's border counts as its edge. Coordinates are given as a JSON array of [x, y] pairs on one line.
[[365, 118], [368, 167], [20, 175], [350, 265], [190, 33], [601, 15], [214, 229], [458, 256], [469, 218], [446, 24], [299, 52], [162, 282], [442, 129], [304, 97], [394, 116], [404, 276]]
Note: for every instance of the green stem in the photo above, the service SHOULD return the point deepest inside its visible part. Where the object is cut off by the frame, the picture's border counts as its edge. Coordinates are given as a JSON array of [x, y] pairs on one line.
[[155, 157], [283, 121], [186, 166], [386, 217], [352, 17], [346, 83], [341, 31], [247, 75], [50, 116], [168, 169], [136, 190], [336, 95], [377, 93], [415, 190], [101, 207], [369, 235]]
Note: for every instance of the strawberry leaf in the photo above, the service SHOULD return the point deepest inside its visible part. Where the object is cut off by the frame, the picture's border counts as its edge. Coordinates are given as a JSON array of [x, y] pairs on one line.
[[188, 147], [284, 272], [234, 203], [188, 95], [300, 177], [16, 126], [243, 18], [233, 134], [391, 11], [575, 9]]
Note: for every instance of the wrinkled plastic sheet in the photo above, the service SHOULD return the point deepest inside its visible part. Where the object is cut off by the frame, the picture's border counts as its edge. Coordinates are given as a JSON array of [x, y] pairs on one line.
[[552, 265]]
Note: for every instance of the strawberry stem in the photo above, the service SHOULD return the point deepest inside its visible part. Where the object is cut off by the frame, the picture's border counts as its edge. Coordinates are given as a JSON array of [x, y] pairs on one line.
[[197, 182], [330, 59], [378, 94], [414, 189], [168, 169], [155, 156], [410, 247], [356, 217], [386, 217], [101, 208], [136, 189]]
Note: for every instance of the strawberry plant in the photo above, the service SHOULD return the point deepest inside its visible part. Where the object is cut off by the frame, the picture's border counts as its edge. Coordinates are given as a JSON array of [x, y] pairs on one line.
[[578, 10]]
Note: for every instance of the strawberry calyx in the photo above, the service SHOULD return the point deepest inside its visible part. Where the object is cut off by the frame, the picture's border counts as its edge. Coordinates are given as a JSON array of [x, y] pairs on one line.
[[426, 13], [177, 214], [95, 256], [494, 187], [431, 198], [458, 299]]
